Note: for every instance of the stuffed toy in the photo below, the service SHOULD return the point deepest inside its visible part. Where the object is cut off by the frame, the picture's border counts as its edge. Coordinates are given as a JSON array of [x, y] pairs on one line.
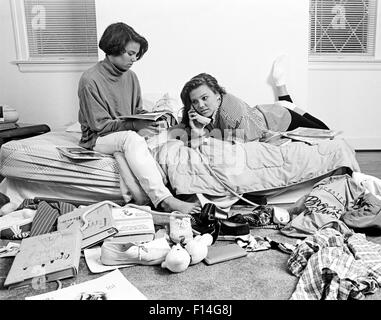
[[177, 260], [188, 253], [198, 247]]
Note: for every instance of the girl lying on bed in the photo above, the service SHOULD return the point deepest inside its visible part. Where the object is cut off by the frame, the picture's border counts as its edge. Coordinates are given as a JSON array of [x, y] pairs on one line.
[[208, 107]]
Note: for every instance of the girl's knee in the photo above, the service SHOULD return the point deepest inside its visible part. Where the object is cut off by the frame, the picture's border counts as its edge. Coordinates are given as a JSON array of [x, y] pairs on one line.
[[131, 137]]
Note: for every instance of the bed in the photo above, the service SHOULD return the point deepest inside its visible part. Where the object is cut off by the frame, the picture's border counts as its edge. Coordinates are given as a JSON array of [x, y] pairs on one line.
[[33, 167]]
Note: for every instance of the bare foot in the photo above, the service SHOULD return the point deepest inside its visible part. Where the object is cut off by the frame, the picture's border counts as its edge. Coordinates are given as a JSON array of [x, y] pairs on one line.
[[173, 204]]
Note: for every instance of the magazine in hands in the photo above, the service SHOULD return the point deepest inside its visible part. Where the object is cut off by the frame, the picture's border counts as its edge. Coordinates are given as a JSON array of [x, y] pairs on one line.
[[152, 116], [78, 153]]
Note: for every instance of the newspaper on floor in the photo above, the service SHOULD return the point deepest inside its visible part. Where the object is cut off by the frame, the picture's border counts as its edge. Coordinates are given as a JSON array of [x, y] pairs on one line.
[[112, 286]]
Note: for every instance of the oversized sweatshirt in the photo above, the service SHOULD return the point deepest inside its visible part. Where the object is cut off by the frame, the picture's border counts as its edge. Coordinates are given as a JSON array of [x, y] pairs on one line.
[[105, 93]]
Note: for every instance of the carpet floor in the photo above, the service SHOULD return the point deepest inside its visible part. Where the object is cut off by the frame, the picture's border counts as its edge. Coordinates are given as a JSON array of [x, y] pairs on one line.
[[261, 275]]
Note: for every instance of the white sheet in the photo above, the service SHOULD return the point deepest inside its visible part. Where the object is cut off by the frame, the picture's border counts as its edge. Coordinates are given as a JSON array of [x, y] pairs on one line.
[[18, 189]]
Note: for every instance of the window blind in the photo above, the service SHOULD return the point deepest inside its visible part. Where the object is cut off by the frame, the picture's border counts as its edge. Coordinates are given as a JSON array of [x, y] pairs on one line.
[[342, 28], [61, 29]]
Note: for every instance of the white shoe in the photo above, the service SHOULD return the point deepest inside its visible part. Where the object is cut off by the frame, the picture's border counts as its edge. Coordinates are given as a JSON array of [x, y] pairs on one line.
[[149, 253]]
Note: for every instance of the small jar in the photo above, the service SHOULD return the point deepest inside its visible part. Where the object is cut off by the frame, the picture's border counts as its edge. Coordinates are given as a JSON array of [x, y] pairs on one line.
[[180, 228]]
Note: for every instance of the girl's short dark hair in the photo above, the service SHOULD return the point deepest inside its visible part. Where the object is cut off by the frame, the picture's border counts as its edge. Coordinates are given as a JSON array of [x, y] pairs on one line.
[[195, 82], [116, 36]]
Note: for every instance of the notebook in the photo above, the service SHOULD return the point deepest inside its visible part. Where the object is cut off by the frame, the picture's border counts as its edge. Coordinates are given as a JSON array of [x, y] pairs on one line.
[[47, 257], [218, 254], [96, 222]]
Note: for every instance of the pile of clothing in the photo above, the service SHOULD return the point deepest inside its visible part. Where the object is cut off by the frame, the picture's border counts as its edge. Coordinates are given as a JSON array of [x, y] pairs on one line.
[[335, 261]]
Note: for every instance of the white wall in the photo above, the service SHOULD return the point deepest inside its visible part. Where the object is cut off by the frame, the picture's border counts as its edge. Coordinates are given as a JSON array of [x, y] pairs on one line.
[[236, 41], [349, 100], [49, 98]]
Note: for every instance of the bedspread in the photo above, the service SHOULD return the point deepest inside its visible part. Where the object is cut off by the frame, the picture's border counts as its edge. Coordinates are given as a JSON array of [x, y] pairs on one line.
[[246, 168], [249, 167]]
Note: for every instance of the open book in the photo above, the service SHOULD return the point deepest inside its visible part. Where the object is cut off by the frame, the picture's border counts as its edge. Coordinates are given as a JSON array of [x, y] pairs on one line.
[[153, 116]]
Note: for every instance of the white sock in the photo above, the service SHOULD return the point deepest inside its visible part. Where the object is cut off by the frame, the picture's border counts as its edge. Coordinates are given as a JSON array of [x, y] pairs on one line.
[[279, 71]]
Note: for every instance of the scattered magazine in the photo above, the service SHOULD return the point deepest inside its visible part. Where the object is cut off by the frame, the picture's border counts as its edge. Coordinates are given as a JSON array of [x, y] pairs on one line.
[[153, 116], [312, 133], [78, 153], [112, 286], [308, 135]]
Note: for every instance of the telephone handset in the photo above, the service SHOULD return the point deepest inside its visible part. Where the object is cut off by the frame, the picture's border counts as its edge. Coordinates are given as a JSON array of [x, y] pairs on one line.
[[203, 117]]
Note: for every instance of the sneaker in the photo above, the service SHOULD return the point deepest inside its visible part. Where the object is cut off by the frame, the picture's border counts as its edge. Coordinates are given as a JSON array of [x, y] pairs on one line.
[[261, 216], [17, 224], [149, 253], [206, 221]]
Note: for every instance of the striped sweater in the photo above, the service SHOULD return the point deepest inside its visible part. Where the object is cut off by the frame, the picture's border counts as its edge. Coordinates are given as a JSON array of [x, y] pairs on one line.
[[248, 122]]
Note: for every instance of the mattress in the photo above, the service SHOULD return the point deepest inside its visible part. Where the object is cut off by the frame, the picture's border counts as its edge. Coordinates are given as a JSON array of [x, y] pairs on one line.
[[37, 159]]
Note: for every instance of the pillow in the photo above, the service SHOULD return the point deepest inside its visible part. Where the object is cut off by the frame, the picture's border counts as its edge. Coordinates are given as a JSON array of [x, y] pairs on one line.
[[157, 102], [149, 100]]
